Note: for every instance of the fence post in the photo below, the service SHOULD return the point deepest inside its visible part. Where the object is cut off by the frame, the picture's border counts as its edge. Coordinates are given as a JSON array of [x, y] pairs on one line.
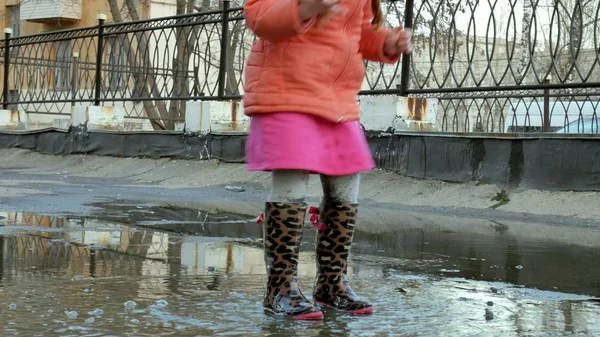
[[5, 89], [99, 53], [405, 72], [224, 49], [546, 121], [74, 77], [196, 89]]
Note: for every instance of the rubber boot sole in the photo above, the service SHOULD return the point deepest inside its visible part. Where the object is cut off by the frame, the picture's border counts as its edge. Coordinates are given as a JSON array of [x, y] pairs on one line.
[[357, 312]]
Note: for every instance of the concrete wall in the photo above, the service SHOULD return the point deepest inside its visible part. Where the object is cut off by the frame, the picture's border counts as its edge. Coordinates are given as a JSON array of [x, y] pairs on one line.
[[544, 162]]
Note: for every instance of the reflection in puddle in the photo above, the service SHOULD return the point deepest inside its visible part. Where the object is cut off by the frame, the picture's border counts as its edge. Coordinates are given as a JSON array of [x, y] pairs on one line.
[[209, 281]]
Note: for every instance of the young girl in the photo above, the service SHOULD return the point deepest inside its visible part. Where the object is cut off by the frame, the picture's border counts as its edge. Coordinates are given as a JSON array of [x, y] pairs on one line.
[[302, 79]]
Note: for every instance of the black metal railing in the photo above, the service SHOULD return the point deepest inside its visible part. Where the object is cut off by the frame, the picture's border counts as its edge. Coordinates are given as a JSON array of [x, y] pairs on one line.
[[489, 65]]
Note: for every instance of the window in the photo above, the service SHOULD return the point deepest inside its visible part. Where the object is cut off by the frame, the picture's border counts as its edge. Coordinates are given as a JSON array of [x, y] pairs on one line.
[[63, 52], [115, 63], [14, 20]]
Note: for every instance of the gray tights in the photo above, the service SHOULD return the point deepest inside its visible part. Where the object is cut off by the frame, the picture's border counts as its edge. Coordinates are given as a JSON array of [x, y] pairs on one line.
[[291, 186]]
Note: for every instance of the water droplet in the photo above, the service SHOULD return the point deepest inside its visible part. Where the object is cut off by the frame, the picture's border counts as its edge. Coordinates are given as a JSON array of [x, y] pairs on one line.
[[130, 305], [161, 303], [90, 320], [71, 314], [12, 306], [78, 278], [519, 267], [96, 312], [135, 321], [49, 244]]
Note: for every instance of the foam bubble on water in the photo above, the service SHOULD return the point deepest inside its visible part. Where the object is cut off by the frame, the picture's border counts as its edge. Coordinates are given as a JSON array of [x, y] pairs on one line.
[[162, 304], [12, 306], [49, 244], [130, 305], [86, 290], [71, 314], [134, 321], [96, 312], [90, 320]]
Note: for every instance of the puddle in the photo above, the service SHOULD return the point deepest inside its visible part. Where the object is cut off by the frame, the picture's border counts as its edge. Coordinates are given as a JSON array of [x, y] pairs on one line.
[[78, 277]]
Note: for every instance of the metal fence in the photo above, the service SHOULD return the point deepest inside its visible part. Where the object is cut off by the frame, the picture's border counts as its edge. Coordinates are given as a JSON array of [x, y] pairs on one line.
[[491, 65]]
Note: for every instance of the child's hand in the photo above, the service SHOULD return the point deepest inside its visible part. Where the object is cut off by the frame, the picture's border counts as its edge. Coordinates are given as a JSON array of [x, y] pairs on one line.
[[310, 8], [398, 42]]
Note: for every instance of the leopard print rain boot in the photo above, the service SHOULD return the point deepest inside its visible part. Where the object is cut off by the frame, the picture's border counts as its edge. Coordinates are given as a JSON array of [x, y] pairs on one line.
[[334, 240], [283, 227]]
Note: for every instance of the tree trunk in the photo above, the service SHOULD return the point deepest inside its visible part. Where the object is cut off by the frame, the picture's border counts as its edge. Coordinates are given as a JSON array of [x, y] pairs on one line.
[[180, 64], [187, 38], [144, 77], [232, 87], [575, 41], [525, 60]]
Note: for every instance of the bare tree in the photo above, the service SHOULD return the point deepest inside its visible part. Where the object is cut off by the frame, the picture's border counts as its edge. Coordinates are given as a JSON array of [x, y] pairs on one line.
[[526, 43], [187, 39], [433, 27], [138, 57], [139, 61], [567, 40]]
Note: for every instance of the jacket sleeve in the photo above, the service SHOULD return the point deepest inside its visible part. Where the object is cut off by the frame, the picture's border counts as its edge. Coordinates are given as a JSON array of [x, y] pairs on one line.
[[372, 39], [275, 19]]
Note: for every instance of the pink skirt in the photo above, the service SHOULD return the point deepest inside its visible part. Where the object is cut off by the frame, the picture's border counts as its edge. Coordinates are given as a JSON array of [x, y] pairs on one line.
[[296, 141]]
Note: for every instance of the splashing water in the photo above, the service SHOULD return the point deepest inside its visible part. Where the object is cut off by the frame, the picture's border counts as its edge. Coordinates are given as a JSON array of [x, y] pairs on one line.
[[130, 305], [161, 304], [96, 312], [71, 314]]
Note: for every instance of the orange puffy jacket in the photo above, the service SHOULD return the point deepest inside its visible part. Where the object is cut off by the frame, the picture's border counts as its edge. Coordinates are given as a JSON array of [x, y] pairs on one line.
[[304, 67]]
